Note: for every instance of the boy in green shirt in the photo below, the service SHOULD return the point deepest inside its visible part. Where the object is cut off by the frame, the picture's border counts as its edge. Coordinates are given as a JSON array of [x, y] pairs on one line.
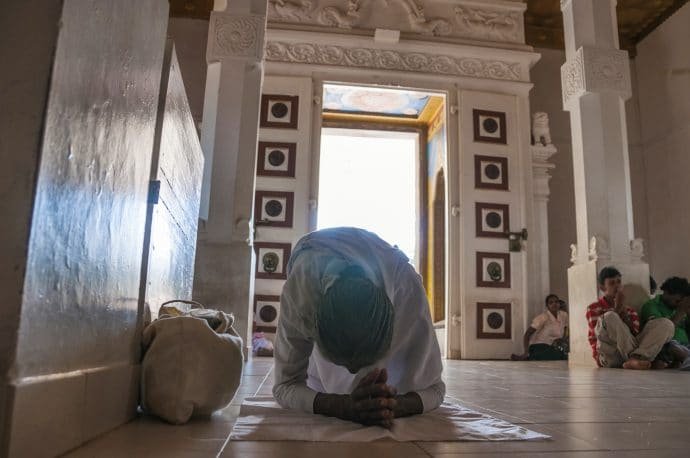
[[673, 304]]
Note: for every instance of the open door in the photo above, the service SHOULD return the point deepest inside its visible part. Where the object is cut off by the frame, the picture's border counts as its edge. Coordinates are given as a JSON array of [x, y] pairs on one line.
[[492, 196]]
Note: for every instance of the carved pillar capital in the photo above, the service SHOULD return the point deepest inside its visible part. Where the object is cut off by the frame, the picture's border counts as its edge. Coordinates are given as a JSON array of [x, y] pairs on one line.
[[235, 36], [595, 70]]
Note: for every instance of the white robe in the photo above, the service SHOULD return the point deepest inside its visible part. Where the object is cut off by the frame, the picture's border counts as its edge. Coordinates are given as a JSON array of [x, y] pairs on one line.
[[414, 359]]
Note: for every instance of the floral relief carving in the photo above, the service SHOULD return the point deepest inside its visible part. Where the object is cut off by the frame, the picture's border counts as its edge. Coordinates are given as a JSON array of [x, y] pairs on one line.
[[310, 53], [606, 70], [237, 36], [488, 24], [572, 78], [596, 70]]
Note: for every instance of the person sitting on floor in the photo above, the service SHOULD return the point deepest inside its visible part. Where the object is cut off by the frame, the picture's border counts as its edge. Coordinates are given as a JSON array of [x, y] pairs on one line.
[[614, 329], [545, 339], [355, 338], [673, 303]]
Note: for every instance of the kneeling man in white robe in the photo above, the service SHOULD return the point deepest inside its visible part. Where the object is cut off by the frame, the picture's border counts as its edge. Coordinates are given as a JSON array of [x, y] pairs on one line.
[[355, 338]]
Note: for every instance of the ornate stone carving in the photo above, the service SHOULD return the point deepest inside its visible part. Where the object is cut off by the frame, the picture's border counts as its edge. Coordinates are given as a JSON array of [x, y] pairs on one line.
[[637, 249], [599, 249], [540, 170], [540, 128], [236, 35], [460, 18], [573, 253], [488, 24], [419, 22], [572, 78], [344, 19], [607, 70], [290, 11], [310, 53], [596, 70]]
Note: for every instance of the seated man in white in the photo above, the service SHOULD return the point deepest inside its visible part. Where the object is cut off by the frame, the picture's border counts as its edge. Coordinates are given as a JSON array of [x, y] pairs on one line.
[[355, 338]]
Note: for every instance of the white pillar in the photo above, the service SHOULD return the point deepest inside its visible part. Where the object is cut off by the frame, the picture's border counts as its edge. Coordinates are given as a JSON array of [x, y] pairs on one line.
[[596, 83], [229, 132], [540, 182]]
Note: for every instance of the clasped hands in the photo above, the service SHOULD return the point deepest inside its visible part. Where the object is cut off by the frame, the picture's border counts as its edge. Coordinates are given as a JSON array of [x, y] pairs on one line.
[[373, 402]]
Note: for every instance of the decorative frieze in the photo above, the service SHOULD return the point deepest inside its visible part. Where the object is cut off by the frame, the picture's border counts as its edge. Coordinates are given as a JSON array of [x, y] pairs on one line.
[[469, 19], [236, 36], [384, 59], [596, 70]]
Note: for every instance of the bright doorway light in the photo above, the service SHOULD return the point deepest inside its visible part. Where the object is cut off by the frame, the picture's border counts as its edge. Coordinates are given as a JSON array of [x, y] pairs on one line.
[[368, 179]]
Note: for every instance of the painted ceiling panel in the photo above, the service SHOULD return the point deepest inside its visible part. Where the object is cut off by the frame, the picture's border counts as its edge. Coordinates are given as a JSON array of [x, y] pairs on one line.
[[370, 100]]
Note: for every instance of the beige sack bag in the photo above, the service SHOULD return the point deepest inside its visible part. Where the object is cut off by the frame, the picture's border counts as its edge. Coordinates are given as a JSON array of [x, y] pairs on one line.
[[192, 363]]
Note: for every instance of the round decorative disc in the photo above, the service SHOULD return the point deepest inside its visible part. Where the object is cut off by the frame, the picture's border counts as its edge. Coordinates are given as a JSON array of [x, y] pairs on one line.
[[280, 110], [495, 271], [270, 262], [490, 125], [492, 171], [493, 220], [494, 320], [268, 313], [273, 208], [276, 157]]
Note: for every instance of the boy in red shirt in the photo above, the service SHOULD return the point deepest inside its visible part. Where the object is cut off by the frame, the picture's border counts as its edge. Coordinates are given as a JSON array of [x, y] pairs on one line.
[[614, 329]]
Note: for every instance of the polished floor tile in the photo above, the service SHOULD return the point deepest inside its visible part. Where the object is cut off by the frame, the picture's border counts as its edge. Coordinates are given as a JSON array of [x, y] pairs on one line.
[[589, 413]]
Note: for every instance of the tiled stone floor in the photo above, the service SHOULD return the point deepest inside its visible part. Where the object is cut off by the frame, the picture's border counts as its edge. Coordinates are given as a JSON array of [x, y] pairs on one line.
[[589, 413]]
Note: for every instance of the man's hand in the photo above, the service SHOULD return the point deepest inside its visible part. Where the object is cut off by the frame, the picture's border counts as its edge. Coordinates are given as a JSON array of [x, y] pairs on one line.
[[618, 302], [373, 401]]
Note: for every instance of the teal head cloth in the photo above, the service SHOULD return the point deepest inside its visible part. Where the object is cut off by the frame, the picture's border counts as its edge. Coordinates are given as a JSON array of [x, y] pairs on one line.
[[354, 320]]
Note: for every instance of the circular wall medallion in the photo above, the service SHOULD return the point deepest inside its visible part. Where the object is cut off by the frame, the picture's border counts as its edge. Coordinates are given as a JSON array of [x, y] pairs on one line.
[[490, 125], [492, 171], [494, 320], [268, 313], [269, 261], [495, 271], [276, 157], [493, 220], [273, 208], [279, 110]]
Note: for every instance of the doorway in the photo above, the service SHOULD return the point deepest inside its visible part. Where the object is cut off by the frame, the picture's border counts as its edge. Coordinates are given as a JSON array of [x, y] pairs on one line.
[[382, 152], [369, 179]]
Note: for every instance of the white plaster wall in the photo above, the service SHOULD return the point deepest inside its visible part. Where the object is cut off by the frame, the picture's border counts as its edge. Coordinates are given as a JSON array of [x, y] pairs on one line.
[[663, 79], [190, 36]]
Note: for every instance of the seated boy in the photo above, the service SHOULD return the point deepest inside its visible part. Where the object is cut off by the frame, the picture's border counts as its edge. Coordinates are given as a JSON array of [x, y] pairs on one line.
[[672, 304], [614, 329]]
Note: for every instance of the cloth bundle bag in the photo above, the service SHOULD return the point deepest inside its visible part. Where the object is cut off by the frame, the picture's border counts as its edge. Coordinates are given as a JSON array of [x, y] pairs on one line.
[[192, 363]]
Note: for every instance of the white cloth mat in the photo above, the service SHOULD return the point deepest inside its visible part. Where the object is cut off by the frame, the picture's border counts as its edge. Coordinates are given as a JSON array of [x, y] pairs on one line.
[[262, 419]]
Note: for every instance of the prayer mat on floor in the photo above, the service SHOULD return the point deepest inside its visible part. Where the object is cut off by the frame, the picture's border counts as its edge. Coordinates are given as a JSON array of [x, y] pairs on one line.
[[262, 419]]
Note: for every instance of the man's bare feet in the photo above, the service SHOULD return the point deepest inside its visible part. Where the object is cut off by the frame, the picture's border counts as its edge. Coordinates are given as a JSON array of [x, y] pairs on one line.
[[659, 364], [636, 364], [515, 357]]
